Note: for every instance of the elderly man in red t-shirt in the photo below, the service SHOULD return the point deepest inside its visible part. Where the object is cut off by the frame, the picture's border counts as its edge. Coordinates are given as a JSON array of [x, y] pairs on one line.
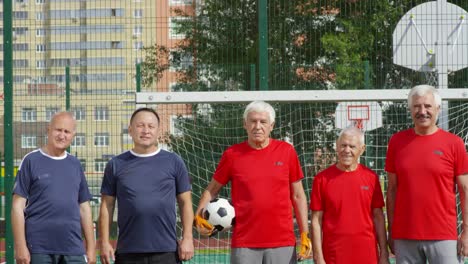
[[265, 177], [423, 165], [348, 226]]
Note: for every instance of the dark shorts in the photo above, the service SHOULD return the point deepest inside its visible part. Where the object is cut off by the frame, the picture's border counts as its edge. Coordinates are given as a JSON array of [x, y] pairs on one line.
[[147, 258], [57, 259]]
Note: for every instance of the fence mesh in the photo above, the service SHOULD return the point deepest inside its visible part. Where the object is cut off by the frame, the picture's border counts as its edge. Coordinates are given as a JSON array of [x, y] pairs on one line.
[[91, 57]]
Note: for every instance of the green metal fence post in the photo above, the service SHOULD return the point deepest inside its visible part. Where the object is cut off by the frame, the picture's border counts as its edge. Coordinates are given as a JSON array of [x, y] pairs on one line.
[[67, 88], [263, 44], [8, 122], [138, 77]]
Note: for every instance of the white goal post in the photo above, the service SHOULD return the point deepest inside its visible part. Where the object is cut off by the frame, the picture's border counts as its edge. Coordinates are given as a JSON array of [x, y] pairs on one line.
[[289, 96], [199, 126]]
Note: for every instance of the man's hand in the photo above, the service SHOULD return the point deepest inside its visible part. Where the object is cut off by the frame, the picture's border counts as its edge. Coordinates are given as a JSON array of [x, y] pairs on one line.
[[383, 258], [186, 249], [204, 227], [306, 247], [22, 255], [91, 256], [462, 246], [107, 253], [391, 242]]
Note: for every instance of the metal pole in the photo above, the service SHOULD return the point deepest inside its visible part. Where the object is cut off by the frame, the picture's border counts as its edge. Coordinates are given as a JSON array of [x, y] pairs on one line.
[[263, 44], [138, 77], [67, 88], [8, 123]]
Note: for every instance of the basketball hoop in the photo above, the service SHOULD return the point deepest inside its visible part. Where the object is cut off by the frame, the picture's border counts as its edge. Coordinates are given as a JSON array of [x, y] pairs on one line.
[[363, 115], [358, 123]]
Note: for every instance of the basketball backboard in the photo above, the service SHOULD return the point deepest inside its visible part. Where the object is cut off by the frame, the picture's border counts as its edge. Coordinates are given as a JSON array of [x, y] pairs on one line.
[[364, 115]]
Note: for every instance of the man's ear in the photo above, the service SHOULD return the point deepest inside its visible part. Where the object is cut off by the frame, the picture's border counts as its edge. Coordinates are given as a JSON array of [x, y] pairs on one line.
[[363, 148]]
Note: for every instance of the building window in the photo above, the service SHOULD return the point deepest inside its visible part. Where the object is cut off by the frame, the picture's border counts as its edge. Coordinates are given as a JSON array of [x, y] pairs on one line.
[[40, 64], [137, 30], [29, 115], [40, 32], [180, 2], [138, 13], [137, 45], [101, 113], [176, 125], [28, 141], [40, 48], [50, 111], [100, 165], [40, 16], [83, 164], [101, 139], [180, 60], [175, 27], [40, 2], [79, 140], [116, 44], [79, 113]]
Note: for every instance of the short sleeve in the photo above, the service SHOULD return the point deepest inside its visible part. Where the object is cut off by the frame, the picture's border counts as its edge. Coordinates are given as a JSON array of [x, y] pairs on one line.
[[377, 197], [316, 201], [222, 173], [23, 179], [390, 160], [461, 162], [182, 176], [295, 170], [108, 186], [84, 194]]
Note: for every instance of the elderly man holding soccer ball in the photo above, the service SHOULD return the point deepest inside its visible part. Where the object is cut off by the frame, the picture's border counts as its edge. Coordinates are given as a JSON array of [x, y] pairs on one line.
[[265, 177], [348, 225]]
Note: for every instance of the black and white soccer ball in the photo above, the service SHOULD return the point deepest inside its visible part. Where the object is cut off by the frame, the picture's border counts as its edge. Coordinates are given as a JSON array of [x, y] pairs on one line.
[[220, 213]]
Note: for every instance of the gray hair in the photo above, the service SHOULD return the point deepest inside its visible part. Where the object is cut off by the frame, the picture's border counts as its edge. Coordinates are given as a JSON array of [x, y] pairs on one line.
[[421, 90], [352, 131], [260, 106]]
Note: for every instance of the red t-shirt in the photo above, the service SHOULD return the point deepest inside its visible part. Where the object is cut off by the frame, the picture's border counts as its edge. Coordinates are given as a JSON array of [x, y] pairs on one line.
[[426, 168], [347, 200], [260, 192]]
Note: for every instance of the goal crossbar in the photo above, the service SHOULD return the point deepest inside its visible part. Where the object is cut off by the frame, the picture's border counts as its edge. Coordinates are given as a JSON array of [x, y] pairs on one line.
[[289, 96]]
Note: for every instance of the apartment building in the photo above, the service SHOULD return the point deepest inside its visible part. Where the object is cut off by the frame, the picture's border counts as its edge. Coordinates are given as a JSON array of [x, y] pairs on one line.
[[90, 49]]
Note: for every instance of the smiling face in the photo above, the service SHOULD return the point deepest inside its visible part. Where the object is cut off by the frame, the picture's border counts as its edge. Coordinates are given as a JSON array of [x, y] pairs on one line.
[[60, 133], [349, 147], [258, 127], [144, 130], [424, 112]]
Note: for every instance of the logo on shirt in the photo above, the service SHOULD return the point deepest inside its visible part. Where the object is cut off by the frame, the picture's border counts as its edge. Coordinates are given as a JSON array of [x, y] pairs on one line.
[[43, 176], [438, 152], [365, 188], [279, 163]]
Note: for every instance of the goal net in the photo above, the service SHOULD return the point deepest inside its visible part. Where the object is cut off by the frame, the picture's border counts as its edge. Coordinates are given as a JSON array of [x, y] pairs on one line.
[[199, 131]]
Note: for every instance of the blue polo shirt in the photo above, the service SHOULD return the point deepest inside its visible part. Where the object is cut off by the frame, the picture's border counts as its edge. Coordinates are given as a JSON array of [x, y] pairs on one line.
[[146, 187], [54, 188]]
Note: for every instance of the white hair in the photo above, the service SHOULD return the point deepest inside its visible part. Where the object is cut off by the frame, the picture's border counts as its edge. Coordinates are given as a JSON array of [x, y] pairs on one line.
[[260, 106], [422, 90], [352, 131]]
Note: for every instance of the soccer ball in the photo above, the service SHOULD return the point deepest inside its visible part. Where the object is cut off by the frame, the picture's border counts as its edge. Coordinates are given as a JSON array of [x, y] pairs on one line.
[[220, 213]]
